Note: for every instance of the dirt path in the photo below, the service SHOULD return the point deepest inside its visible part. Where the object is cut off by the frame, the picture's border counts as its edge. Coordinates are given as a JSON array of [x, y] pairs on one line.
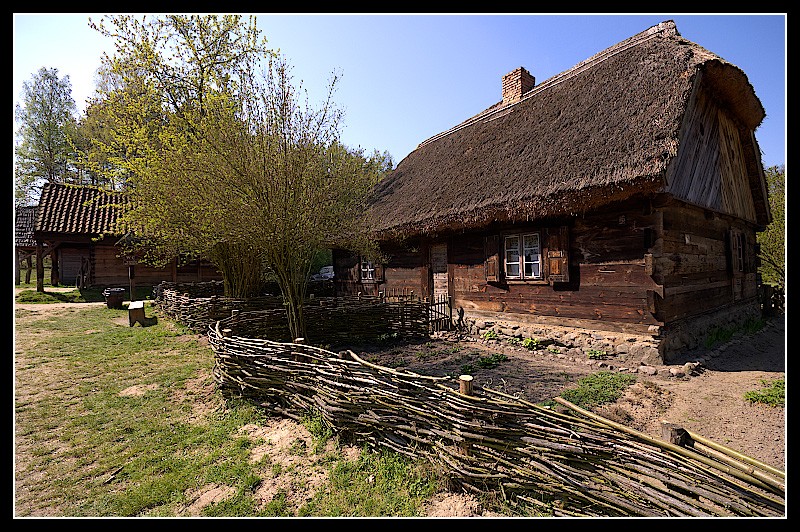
[[712, 403]]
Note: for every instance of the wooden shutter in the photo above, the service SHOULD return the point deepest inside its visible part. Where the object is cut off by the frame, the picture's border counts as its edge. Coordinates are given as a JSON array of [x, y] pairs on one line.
[[378, 273], [491, 252], [735, 242], [558, 255]]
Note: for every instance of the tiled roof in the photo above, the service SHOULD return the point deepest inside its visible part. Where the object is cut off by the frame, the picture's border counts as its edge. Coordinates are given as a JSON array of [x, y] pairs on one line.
[[24, 218], [78, 210]]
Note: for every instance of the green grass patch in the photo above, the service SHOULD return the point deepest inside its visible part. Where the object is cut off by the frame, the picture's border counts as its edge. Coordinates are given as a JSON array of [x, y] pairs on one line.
[[75, 296], [772, 394], [108, 418], [720, 335], [492, 361], [380, 484], [599, 388], [86, 295]]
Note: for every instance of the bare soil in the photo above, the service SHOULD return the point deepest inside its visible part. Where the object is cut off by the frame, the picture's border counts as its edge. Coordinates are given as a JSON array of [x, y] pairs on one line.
[[708, 400]]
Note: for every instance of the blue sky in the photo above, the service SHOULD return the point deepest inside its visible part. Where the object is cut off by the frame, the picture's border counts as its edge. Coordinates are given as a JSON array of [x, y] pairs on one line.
[[407, 77]]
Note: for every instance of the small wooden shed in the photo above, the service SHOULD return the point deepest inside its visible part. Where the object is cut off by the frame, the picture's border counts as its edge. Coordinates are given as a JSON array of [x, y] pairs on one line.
[[622, 196], [77, 226]]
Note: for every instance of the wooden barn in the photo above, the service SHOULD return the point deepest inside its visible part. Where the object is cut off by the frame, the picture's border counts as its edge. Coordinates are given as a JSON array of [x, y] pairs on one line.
[[77, 227], [620, 197]]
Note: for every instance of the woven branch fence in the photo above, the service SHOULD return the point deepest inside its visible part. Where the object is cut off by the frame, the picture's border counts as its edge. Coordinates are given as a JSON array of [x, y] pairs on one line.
[[567, 464], [570, 464], [331, 320]]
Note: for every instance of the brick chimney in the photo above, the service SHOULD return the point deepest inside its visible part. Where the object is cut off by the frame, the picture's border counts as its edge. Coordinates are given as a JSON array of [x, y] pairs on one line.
[[516, 83]]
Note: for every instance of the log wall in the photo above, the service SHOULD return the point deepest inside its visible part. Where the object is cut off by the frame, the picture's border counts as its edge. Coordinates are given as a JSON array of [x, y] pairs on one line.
[[108, 269], [405, 272], [692, 262], [609, 279]]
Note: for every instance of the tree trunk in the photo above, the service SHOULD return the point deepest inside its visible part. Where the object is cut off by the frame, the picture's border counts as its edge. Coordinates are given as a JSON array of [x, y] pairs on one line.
[[242, 270], [293, 300]]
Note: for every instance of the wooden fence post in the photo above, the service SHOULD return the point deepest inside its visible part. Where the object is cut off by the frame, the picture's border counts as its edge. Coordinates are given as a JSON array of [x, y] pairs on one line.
[[465, 388], [299, 357], [465, 384], [674, 434]]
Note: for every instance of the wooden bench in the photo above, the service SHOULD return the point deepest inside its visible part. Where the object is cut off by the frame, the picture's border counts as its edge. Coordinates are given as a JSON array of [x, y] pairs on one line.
[[136, 313]]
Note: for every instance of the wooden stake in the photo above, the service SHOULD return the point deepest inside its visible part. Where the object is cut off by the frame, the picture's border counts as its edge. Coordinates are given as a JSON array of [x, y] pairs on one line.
[[465, 384]]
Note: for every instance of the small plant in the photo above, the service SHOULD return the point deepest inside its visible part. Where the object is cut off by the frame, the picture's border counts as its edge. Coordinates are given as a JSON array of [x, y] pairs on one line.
[[396, 363], [467, 369], [298, 447], [718, 336], [721, 335], [490, 335], [773, 393], [387, 337], [553, 349], [320, 430], [514, 341], [423, 355], [532, 344], [596, 354], [491, 361]]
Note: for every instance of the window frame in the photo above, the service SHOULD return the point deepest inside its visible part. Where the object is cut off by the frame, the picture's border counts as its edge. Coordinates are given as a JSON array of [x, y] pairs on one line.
[[521, 263], [370, 269]]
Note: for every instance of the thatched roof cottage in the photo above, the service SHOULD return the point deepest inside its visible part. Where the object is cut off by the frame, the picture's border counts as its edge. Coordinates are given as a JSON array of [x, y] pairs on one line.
[[622, 196]]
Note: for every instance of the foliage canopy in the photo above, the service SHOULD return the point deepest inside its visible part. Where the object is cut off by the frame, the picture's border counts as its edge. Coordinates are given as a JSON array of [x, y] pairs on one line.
[[223, 157], [772, 241]]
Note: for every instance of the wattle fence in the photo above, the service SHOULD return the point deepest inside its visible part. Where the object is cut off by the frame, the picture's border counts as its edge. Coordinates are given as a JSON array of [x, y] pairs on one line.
[[330, 320], [566, 463]]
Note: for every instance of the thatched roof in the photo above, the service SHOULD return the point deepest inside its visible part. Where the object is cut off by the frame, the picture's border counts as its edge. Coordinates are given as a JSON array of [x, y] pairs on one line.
[[601, 131], [78, 210]]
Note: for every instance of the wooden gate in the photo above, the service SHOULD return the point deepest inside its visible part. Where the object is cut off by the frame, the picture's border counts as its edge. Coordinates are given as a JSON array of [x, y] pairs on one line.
[[440, 313]]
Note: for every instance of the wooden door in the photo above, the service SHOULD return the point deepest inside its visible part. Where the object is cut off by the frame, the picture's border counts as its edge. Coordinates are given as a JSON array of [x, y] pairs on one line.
[[441, 286]]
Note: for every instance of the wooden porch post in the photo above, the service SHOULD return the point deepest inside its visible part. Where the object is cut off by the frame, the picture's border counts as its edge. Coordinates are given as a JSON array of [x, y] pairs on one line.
[[54, 274], [39, 268]]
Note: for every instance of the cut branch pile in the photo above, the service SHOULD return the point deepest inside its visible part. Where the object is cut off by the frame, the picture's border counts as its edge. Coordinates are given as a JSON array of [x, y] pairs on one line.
[[567, 464]]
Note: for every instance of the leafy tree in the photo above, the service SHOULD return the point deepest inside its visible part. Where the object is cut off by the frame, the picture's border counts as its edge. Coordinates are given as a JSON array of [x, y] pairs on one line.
[[773, 240], [46, 121], [151, 105], [230, 164]]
